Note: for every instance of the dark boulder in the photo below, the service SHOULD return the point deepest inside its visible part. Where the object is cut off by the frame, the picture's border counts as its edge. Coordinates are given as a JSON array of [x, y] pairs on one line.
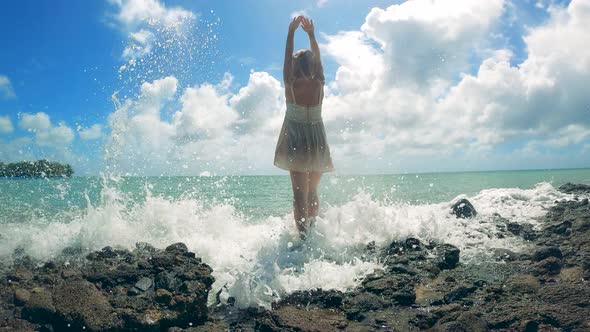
[[550, 266], [545, 252], [521, 284], [465, 322], [448, 256], [459, 293], [21, 296], [319, 297], [355, 306], [571, 188], [525, 230], [39, 308], [81, 305], [405, 296], [463, 209], [114, 289], [177, 248]]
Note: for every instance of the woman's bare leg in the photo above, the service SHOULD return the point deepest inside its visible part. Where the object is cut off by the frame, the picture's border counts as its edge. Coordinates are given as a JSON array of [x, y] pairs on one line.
[[300, 184], [313, 202]]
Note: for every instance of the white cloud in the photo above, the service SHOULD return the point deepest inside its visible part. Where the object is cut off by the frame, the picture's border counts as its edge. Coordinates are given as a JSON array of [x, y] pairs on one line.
[[426, 40], [403, 96], [35, 122], [141, 44], [55, 137], [6, 90], [93, 132], [16, 150], [46, 135], [298, 13], [322, 3], [6, 125], [210, 132], [204, 113], [148, 23], [257, 102], [136, 12], [394, 94]]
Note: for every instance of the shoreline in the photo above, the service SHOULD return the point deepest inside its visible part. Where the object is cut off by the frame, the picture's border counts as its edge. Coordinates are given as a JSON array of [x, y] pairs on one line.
[[422, 287]]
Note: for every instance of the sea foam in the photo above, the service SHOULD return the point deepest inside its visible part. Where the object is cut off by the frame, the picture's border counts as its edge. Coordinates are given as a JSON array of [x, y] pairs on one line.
[[259, 261]]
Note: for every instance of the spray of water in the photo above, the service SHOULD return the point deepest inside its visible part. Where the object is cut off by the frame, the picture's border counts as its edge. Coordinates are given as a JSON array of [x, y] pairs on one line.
[[257, 261]]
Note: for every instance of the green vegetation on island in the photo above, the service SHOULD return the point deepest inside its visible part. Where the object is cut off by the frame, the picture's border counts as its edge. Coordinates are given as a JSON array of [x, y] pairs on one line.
[[35, 169]]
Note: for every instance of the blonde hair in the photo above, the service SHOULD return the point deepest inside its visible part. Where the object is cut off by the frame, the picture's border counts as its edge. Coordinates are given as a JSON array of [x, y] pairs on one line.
[[303, 64]]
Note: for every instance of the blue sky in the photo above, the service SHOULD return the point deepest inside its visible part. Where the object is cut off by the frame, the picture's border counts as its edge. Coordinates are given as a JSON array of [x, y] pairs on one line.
[[63, 58]]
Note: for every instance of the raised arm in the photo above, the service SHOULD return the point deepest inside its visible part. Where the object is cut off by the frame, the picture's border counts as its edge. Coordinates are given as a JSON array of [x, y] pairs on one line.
[[287, 66], [307, 26]]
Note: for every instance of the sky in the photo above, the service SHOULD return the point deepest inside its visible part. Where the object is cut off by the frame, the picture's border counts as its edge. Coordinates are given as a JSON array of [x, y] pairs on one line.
[[179, 87]]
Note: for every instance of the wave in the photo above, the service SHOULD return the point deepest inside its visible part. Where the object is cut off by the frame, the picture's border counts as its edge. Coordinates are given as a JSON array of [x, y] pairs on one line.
[[259, 261]]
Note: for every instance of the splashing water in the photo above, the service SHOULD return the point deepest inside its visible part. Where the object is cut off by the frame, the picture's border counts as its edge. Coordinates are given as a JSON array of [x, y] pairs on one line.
[[259, 259]]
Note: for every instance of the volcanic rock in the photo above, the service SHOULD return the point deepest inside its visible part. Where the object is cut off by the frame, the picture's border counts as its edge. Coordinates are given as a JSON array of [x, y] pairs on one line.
[[463, 209]]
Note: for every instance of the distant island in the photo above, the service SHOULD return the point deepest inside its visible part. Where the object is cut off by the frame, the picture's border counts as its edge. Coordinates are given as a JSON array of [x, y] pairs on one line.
[[35, 169]]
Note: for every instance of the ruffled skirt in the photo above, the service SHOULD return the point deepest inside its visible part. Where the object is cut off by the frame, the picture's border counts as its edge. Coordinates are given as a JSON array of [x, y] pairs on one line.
[[303, 147]]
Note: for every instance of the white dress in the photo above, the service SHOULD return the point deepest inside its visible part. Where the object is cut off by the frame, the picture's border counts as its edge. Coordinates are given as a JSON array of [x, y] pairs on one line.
[[302, 145]]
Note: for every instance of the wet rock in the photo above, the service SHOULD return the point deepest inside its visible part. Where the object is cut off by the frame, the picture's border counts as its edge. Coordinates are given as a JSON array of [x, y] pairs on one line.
[[69, 273], [572, 274], [514, 228], [563, 228], [20, 273], [463, 209], [501, 254], [80, 304], [167, 280], [403, 269], [291, 318], [545, 252], [525, 230], [107, 254], [406, 296], [449, 256], [72, 251], [465, 322], [459, 293], [39, 308], [172, 288], [522, 283], [356, 306], [144, 249], [386, 286], [530, 326], [163, 296], [581, 224], [21, 296], [144, 284], [550, 266], [446, 309], [571, 188], [318, 297], [111, 274], [424, 320], [567, 297], [177, 248]]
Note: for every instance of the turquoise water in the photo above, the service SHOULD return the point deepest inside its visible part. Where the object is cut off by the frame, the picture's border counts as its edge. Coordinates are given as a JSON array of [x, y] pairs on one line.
[[243, 226], [261, 196]]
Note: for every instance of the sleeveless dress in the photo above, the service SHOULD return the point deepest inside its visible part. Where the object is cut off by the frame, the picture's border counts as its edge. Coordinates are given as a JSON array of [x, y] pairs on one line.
[[302, 145]]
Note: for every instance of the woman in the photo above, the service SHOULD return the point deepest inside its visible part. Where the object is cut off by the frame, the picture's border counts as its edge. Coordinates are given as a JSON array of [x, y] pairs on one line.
[[302, 148]]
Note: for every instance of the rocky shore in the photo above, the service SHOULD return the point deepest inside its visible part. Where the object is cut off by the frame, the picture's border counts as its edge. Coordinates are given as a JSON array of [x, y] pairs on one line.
[[422, 287]]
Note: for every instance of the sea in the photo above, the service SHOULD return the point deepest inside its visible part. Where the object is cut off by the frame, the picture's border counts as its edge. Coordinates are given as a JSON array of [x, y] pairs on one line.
[[242, 226]]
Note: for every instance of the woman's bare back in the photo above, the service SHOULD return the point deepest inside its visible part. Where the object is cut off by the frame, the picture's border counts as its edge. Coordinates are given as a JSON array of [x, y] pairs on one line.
[[306, 92]]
